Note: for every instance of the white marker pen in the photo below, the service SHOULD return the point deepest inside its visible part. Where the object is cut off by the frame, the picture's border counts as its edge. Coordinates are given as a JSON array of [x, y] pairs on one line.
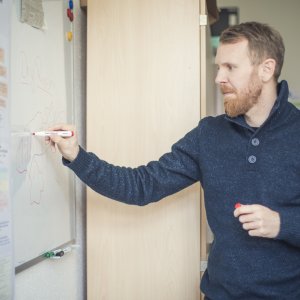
[[63, 133]]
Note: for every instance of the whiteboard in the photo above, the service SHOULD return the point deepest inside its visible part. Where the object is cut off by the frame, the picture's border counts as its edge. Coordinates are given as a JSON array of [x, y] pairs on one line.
[[42, 189]]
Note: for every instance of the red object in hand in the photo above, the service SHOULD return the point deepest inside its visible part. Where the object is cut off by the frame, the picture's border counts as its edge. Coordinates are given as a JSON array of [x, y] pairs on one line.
[[237, 205]]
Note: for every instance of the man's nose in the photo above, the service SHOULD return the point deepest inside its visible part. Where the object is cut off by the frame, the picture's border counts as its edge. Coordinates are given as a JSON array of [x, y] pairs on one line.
[[221, 77]]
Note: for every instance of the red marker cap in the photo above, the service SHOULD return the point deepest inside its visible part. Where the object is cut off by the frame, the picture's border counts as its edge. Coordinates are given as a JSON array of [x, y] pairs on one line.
[[237, 205]]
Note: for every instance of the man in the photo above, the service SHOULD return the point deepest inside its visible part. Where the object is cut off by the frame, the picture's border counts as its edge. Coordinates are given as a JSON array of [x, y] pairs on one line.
[[249, 155]]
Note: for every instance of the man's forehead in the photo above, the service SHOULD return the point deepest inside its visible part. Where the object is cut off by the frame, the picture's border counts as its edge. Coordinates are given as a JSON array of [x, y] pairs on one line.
[[232, 51]]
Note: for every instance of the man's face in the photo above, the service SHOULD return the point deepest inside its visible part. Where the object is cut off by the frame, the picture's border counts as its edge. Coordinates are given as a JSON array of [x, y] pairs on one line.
[[237, 78]]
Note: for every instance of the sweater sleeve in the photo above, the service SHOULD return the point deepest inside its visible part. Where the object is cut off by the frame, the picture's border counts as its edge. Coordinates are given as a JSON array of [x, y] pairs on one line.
[[139, 186], [289, 226]]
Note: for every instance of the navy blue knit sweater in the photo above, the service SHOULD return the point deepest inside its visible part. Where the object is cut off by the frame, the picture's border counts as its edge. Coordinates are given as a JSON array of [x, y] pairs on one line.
[[234, 163]]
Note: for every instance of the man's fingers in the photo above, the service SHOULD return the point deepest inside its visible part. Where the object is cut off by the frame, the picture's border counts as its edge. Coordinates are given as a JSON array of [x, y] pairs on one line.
[[249, 218], [246, 209], [254, 233], [52, 146], [251, 225], [56, 139]]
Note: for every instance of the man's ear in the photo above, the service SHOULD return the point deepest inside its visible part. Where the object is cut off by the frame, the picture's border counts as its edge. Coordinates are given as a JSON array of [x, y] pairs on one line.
[[267, 69]]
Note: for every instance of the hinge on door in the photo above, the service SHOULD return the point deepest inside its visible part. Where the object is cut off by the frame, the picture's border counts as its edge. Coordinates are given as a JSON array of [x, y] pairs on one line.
[[203, 20], [203, 265]]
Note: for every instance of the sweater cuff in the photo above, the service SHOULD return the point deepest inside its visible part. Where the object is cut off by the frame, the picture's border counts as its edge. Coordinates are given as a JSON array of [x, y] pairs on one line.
[[290, 226]]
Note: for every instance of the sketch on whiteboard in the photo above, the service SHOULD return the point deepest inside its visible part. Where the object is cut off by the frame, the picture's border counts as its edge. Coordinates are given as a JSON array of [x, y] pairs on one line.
[[28, 151], [32, 74]]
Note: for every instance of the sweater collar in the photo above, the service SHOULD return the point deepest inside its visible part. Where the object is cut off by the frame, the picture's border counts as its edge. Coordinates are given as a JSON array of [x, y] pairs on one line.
[[279, 105]]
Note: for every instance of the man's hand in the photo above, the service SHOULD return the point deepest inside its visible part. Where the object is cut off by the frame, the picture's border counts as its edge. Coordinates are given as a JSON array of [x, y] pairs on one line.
[[67, 146], [258, 220]]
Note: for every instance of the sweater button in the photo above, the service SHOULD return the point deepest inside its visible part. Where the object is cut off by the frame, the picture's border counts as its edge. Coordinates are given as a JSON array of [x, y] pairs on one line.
[[255, 142], [252, 159]]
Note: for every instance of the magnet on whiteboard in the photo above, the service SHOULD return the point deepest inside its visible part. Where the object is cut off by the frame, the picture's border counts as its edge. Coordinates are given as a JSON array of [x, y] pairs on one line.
[[70, 14], [71, 5], [69, 36]]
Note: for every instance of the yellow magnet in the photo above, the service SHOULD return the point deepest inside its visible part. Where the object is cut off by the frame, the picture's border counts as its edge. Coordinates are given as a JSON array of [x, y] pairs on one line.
[[69, 36]]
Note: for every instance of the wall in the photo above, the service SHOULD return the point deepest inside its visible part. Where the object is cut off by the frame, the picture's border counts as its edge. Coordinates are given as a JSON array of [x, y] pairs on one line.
[[284, 16], [65, 279]]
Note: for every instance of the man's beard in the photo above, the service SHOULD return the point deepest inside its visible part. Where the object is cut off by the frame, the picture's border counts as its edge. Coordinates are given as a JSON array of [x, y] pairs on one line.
[[239, 103]]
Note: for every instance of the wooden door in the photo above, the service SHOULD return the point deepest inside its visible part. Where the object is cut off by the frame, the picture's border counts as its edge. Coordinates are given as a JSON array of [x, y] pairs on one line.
[[143, 94]]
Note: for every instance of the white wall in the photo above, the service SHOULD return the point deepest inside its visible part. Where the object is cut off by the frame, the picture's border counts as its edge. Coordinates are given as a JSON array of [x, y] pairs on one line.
[[284, 16], [65, 279]]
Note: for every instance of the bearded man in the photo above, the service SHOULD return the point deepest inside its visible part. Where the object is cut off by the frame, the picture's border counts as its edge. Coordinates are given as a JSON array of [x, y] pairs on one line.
[[250, 154]]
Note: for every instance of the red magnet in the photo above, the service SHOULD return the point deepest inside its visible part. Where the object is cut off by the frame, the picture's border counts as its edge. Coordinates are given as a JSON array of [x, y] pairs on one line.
[[70, 14], [237, 205]]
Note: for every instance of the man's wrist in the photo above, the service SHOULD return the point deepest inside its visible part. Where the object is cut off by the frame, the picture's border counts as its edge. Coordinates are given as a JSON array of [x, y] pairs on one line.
[[73, 155]]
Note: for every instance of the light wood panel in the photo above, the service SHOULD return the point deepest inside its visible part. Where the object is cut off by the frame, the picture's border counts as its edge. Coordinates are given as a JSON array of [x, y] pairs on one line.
[[203, 113], [143, 95]]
